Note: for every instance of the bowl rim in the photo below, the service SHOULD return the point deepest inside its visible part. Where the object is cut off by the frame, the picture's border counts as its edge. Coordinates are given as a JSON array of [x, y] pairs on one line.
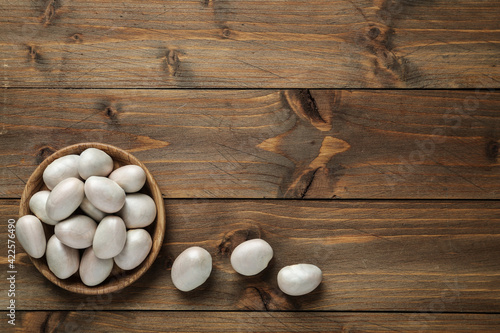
[[117, 279]]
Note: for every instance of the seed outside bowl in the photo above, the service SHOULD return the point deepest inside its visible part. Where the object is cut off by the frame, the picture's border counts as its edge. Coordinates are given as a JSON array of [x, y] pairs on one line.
[[118, 278]]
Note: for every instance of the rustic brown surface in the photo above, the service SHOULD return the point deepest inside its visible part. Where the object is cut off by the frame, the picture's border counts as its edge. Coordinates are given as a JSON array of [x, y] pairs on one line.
[[250, 44], [105, 71], [270, 143], [376, 256], [218, 322]]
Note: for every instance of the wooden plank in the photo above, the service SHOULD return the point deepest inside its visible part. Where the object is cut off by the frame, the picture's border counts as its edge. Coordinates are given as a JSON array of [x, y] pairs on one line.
[[419, 256], [218, 322], [269, 143], [250, 44]]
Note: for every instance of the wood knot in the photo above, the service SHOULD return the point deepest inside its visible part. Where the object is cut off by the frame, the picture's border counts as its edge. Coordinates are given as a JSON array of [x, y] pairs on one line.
[[43, 153], [492, 150], [164, 261], [388, 67], [264, 298], [226, 32], [76, 38], [233, 238], [171, 62], [172, 57], [169, 262], [376, 39], [303, 103], [34, 54], [49, 12], [374, 32], [111, 113]]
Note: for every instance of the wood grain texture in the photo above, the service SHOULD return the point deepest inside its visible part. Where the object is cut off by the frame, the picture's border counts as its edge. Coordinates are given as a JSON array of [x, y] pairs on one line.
[[265, 322], [269, 143], [421, 256], [74, 71], [250, 44]]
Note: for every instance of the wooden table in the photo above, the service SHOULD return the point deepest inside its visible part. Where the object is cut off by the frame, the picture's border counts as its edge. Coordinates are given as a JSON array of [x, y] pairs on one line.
[[360, 136]]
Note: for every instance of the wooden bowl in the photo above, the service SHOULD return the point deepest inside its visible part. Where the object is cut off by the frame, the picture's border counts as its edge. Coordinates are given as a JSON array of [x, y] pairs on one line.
[[118, 278]]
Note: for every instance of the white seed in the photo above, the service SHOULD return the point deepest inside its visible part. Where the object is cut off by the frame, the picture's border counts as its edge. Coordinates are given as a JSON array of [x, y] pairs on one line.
[[60, 169], [77, 231], [130, 177], [251, 257], [29, 232], [139, 210], [64, 199], [94, 270], [37, 205], [191, 268], [104, 194], [94, 162], [91, 210], [110, 237], [136, 249], [300, 279], [62, 260]]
